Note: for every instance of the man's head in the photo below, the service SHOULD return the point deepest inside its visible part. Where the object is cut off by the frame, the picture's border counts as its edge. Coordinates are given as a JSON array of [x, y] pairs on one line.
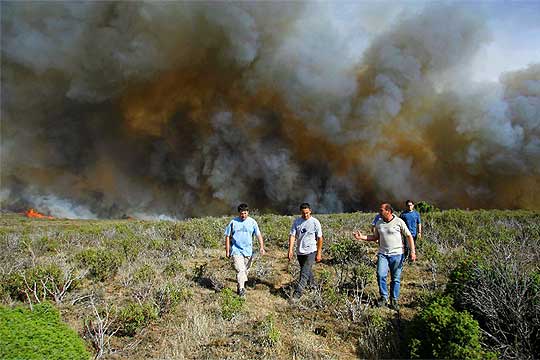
[[409, 205], [305, 211], [386, 211], [243, 210]]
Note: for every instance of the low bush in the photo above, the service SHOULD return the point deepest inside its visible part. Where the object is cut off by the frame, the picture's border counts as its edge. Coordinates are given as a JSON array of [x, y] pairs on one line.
[[37, 283], [269, 334], [505, 300], [379, 338], [231, 304], [170, 295], [101, 263], [38, 334], [134, 316], [440, 331]]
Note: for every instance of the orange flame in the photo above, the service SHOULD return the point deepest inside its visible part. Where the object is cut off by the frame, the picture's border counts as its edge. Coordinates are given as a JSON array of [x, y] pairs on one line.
[[31, 213]]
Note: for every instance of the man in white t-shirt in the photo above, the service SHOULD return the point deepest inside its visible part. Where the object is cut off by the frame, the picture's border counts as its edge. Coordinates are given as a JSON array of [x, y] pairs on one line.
[[307, 232], [389, 231]]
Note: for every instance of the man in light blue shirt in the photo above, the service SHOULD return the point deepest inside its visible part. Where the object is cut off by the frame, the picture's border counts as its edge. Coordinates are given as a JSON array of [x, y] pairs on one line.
[[239, 244]]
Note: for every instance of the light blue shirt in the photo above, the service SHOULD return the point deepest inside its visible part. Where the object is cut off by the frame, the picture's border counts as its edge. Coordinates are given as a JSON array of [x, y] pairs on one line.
[[242, 235]]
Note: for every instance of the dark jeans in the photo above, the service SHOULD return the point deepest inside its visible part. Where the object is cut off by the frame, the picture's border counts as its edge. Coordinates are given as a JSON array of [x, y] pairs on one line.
[[306, 274], [406, 249]]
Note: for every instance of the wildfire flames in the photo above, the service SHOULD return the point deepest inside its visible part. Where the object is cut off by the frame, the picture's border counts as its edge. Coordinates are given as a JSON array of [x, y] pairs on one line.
[[31, 213]]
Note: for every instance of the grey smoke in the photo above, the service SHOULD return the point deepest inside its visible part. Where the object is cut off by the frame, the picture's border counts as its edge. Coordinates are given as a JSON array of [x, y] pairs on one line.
[[175, 109]]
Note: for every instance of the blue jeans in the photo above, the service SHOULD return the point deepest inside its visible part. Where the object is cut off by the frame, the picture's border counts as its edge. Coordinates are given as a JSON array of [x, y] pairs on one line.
[[394, 263]]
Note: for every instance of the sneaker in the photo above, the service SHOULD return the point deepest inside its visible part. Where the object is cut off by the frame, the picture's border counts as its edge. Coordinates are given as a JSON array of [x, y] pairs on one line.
[[394, 304], [381, 302], [242, 293]]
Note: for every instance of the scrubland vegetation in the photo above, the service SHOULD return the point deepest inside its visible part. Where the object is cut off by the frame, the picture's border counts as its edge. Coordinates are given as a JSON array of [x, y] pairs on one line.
[[138, 289]]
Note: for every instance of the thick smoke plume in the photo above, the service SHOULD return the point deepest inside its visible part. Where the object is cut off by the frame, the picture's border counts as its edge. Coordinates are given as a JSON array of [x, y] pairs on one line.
[[187, 108]]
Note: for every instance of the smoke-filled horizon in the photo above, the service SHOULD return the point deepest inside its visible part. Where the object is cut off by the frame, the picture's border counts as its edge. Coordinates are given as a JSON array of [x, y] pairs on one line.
[[180, 109]]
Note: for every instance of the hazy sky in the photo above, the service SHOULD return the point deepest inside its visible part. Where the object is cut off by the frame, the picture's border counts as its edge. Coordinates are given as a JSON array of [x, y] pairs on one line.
[[515, 26]]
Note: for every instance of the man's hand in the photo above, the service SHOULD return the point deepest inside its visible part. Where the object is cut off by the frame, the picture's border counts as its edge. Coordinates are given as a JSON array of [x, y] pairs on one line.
[[318, 257], [290, 255], [413, 256], [357, 235], [262, 251]]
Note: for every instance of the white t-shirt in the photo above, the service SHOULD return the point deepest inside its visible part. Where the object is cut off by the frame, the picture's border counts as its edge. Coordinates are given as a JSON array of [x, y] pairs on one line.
[[390, 235], [306, 233]]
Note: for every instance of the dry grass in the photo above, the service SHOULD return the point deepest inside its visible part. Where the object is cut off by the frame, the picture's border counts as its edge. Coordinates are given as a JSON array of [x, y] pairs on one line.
[[328, 323]]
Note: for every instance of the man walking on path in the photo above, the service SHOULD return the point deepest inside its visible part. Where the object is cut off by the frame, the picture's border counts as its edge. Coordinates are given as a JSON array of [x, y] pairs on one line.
[[413, 222], [239, 244], [388, 231], [307, 232]]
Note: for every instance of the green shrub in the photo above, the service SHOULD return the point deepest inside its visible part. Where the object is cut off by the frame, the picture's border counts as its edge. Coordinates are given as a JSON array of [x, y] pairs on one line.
[[425, 207], [173, 267], [135, 316], [170, 295], [231, 304], [41, 281], [440, 331], [270, 335], [144, 274], [38, 334], [349, 258], [101, 263]]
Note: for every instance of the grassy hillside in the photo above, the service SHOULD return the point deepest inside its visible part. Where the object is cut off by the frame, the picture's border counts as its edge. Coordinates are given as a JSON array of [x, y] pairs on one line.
[[140, 289]]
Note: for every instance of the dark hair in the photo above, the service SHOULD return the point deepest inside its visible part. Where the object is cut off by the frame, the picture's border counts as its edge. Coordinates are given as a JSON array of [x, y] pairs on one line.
[[305, 206], [409, 201], [387, 206], [243, 207]]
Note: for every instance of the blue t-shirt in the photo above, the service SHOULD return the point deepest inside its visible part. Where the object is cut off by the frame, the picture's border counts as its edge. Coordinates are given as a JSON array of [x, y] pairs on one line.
[[242, 235], [412, 219]]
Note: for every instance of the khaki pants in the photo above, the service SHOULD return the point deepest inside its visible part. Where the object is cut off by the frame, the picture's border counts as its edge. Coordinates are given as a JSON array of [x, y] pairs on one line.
[[242, 265]]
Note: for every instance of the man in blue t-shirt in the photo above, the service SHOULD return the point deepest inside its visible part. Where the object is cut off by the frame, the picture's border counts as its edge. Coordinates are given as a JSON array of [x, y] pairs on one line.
[[239, 244], [412, 219]]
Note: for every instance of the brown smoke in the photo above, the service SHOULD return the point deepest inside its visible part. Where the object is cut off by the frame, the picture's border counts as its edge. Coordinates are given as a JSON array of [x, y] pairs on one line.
[[185, 109]]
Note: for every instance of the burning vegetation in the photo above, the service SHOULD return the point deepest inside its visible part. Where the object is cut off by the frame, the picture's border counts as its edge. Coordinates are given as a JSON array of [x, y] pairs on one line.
[[31, 213]]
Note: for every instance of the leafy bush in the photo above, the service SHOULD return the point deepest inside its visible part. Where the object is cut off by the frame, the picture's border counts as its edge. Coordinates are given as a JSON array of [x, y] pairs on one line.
[[231, 304], [270, 335], [347, 256], [36, 284], [440, 331], [170, 295], [38, 334], [102, 263], [135, 316], [425, 207]]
